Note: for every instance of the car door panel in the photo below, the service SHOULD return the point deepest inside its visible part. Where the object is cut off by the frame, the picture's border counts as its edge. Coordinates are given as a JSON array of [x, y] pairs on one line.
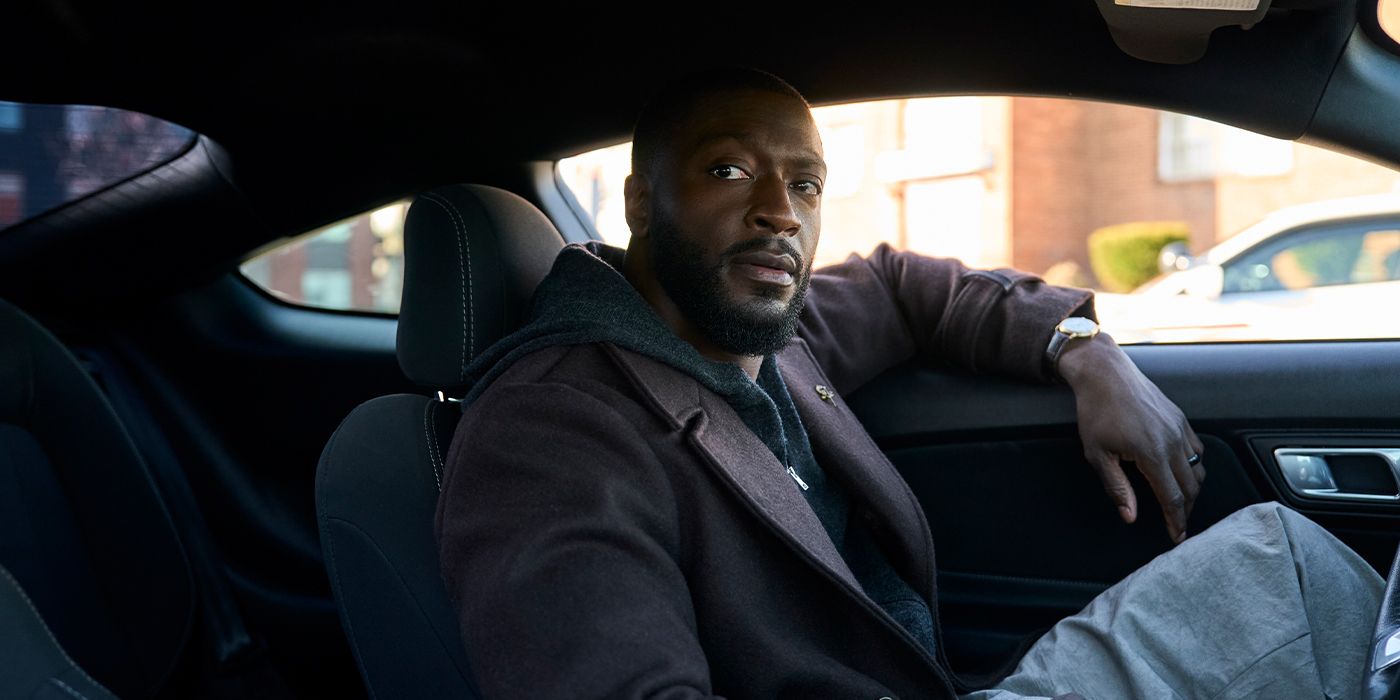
[[1024, 532]]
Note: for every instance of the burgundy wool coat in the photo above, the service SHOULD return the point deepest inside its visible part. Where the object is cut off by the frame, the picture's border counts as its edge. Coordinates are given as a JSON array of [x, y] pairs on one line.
[[609, 528]]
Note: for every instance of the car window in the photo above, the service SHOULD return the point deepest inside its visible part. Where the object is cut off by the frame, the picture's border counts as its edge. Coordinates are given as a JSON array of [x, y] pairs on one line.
[[1389, 14], [355, 264], [54, 154], [1324, 257], [1167, 216]]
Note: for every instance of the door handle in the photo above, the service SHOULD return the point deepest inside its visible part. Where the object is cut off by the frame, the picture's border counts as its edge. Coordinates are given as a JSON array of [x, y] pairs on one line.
[[1342, 473]]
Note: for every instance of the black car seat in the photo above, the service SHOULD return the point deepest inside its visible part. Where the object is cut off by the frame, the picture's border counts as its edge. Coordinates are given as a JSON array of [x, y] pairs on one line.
[[473, 256], [83, 530], [35, 665]]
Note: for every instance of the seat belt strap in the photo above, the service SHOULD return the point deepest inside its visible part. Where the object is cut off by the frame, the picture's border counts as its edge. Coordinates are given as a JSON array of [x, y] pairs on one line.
[[236, 651]]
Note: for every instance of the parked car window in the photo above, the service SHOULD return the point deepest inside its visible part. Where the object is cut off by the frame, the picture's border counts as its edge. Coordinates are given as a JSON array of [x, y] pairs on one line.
[[51, 155], [1354, 254], [1105, 196], [350, 265]]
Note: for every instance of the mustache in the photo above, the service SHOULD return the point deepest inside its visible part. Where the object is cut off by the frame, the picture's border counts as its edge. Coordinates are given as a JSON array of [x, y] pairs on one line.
[[783, 245]]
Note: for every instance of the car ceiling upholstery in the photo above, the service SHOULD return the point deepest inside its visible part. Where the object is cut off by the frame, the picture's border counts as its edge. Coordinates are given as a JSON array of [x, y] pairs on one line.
[[318, 111]]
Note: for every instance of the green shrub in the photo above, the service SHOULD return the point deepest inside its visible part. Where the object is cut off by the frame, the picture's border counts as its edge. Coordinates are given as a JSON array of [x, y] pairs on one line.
[[1067, 273], [1124, 256]]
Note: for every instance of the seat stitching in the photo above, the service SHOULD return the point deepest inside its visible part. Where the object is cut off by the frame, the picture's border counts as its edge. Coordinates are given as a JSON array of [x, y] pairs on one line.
[[413, 595], [432, 445], [429, 197], [68, 689], [466, 258], [464, 273], [333, 572], [340, 595], [463, 276], [25, 597]]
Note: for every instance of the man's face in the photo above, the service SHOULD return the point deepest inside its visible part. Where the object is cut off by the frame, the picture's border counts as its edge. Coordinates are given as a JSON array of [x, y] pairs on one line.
[[735, 216]]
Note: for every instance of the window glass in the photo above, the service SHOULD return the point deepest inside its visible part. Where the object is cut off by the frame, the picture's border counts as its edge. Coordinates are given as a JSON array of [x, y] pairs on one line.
[[54, 154], [11, 116], [1389, 11], [1191, 148], [351, 265], [11, 198], [596, 178], [1186, 149], [1169, 217], [1319, 258], [1379, 260]]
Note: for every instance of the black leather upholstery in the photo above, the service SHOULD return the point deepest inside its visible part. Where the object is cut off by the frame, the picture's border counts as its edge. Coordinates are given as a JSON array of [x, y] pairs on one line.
[[82, 527], [1384, 683], [378, 481], [35, 666], [376, 489], [472, 257]]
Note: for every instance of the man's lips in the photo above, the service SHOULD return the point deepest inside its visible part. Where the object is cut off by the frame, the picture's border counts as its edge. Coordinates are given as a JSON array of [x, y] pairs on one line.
[[763, 258], [767, 267]]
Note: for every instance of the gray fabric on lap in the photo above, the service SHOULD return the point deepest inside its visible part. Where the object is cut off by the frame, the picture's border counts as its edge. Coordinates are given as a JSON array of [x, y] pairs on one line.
[[1264, 604]]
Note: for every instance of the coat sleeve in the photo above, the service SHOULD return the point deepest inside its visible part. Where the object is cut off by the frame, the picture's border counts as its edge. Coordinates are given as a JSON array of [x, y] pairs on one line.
[[558, 536], [868, 314]]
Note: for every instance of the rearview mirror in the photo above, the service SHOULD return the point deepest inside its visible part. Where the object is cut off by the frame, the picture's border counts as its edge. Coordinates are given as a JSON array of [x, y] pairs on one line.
[[1174, 31]]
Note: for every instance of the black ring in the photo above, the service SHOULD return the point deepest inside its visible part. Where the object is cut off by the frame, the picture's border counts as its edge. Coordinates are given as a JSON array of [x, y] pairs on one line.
[[1194, 459]]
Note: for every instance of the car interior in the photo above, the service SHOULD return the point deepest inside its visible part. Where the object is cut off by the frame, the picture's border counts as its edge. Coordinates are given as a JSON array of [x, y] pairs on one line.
[[210, 491]]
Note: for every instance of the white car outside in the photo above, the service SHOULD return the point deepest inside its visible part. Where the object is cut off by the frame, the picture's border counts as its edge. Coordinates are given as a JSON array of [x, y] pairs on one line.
[[1314, 271]]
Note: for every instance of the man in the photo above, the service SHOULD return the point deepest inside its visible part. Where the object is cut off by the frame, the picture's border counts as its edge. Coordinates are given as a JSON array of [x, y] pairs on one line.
[[656, 489]]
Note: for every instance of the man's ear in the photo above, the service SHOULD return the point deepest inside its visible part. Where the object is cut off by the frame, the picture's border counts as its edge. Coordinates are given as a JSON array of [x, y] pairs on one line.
[[636, 197]]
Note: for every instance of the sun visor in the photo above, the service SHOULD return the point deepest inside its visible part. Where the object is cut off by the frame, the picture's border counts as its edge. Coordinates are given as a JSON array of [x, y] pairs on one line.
[[1174, 31]]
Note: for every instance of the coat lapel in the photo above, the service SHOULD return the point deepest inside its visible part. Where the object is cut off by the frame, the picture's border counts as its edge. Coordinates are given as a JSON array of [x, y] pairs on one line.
[[845, 450], [738, 457]]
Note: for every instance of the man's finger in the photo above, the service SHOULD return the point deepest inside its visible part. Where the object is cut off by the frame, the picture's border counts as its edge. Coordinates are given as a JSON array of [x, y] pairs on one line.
[[1199, 448], [1196, 445], [1115, 483], [1165, 483], [1186, 480]]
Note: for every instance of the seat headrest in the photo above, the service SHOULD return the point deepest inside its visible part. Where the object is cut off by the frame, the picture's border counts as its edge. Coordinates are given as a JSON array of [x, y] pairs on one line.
[[473, 256]]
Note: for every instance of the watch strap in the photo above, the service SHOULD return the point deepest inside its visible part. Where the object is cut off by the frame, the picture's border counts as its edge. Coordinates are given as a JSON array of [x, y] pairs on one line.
[[1059, 340], [1066, 331]]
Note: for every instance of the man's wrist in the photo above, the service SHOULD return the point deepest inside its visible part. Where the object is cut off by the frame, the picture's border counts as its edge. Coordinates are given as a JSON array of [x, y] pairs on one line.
[[1086, 358], [1070, 330]]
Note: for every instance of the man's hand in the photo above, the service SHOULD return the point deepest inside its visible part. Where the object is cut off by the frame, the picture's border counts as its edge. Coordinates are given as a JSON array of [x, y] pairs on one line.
[[1123, 416]]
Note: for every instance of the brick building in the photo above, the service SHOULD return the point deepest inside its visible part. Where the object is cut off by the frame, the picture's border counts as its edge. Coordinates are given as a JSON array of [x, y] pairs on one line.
[[1023, 181]]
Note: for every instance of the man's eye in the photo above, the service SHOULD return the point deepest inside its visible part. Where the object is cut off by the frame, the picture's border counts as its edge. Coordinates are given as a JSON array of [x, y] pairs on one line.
[[729, 172], [807, 187]]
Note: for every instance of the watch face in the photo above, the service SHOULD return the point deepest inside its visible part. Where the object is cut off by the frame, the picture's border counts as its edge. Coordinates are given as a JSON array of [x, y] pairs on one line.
[[1078, 326]]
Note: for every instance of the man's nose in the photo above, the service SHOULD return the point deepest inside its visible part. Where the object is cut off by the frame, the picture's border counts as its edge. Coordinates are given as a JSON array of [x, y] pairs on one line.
[[771, 208]]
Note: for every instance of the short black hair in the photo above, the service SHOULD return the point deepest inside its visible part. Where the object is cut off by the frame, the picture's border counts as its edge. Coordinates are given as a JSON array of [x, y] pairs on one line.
[[669, 106]]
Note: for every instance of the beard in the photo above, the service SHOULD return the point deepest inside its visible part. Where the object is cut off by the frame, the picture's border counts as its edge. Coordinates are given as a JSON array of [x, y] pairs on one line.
[[698, 290]]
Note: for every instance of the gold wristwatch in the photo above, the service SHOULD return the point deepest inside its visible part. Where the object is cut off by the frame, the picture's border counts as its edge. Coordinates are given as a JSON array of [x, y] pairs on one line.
[[1069, 329]]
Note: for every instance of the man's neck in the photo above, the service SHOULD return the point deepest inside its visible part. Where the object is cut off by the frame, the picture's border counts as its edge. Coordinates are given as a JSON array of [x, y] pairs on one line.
[[651, 290]]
